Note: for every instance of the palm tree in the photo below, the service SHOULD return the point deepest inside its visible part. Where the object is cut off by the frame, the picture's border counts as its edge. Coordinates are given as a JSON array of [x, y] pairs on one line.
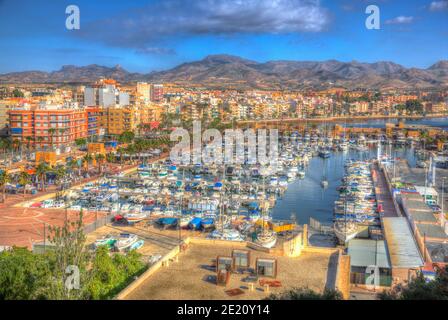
[[39, 141], [99, 157], [24, 180], [28, 139], [87, 160], [41, 172], [17, 146], [110, 157], [5, 178], [5, 145]]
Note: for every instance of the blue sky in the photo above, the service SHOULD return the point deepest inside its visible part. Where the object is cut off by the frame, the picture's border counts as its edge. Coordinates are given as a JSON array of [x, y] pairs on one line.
[[143, 36]]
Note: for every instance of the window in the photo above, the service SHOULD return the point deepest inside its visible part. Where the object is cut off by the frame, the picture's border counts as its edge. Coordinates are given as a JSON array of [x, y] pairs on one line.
[[242, 258], [224, 263], [267, 267]]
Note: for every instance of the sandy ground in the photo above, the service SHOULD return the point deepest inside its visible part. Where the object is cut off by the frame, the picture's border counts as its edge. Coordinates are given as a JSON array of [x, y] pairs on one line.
[[192, 277]]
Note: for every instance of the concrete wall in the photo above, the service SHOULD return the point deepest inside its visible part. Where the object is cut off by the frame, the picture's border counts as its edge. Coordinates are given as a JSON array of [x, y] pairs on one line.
[[343, 276]]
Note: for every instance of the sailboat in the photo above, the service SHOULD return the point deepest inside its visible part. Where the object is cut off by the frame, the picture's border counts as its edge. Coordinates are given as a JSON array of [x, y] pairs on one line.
[[266, 238], [345, 230], [324, 182]]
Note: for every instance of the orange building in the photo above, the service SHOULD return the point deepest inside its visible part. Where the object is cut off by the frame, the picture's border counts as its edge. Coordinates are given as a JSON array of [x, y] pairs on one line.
[[48, 126]]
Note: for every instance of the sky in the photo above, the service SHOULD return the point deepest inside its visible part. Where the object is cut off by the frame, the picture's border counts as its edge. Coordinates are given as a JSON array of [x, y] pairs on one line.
[[153, 35]]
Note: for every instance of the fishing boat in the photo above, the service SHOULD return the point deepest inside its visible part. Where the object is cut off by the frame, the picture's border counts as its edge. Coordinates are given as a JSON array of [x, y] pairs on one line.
[[132, 218], [167, 222], [207, 224], [137, 245], [345, 231], [195, 224], [184, 221], [108, 241], [265, 237], [125, 241], [226, 234]]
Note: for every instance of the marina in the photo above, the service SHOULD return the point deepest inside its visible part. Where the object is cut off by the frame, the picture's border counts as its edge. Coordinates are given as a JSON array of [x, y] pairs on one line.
[[245, 202]]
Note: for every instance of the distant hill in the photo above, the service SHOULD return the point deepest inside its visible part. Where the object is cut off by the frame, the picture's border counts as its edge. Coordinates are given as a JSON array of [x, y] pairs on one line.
[[232, 71]]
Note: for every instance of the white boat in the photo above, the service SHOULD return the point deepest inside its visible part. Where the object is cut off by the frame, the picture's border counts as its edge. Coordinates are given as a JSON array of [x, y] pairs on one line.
[[266, 238], [345, 231], [125, 241], [135, 217]]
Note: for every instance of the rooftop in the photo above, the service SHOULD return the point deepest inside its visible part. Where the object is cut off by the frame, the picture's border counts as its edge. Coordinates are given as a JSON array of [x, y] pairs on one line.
[[194, 276], [438, 251], [403, 251], [364, 253], [431, 231]]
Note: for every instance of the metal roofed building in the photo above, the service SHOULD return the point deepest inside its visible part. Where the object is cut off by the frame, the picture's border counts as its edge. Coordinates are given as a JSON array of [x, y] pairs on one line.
[[432, 231], [402, 248], [366, 253], [437, 252]]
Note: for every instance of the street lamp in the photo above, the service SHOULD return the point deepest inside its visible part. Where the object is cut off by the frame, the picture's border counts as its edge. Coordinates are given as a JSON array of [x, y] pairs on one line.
[[442, 218]]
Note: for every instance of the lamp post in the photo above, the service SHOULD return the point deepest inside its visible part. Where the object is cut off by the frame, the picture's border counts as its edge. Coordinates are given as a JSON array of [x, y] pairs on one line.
[[442, 218]]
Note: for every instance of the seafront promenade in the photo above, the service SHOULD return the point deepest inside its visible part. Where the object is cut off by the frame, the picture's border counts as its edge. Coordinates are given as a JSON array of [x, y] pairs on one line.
[[341, 119]]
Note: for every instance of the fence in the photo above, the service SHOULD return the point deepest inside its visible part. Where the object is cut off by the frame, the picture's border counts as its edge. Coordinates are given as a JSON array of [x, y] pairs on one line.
[[98, 223], [318, 226]]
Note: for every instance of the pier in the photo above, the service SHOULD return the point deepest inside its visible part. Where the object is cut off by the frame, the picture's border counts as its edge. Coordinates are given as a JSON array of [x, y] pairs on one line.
[[382, 191]]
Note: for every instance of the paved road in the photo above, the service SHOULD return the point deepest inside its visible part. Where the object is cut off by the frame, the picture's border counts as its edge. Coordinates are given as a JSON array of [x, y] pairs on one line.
[[383, 194]]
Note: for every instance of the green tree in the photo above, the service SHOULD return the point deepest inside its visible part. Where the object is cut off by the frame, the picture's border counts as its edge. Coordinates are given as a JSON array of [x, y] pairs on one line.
[[23, 275], [420, 289], [17, 93], [24, 180], [81, 142], [306, 294], [5, 178], [68, 250], [41, 172]]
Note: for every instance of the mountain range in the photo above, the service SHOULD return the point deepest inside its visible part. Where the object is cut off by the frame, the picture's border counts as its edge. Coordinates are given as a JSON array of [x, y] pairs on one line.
[[225, 71]]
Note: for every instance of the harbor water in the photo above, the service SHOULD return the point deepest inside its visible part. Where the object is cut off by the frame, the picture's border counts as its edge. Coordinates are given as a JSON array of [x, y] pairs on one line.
[[306, 198]]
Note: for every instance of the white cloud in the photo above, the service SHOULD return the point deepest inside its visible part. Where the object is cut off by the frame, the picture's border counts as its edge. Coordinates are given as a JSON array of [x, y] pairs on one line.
[[400, 20], [439, 5], [159, 20]]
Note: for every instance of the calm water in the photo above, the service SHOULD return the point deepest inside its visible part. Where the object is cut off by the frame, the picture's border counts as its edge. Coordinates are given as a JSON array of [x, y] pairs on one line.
[[306, 198], [435, 122]]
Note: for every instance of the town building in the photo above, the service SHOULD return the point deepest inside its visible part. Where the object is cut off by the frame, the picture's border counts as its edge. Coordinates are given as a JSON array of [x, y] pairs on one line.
[[48, 125]]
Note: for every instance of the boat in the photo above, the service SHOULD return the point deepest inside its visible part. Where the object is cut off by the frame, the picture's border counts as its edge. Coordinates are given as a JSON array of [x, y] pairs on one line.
[[108, 241], [324, 154], [137, 245], [324, 184], [345, 231], [184, 221], [125, 241], [207, 223], [167, 222], [265, 237], [226, 234], [195, 224], [132, 218]]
